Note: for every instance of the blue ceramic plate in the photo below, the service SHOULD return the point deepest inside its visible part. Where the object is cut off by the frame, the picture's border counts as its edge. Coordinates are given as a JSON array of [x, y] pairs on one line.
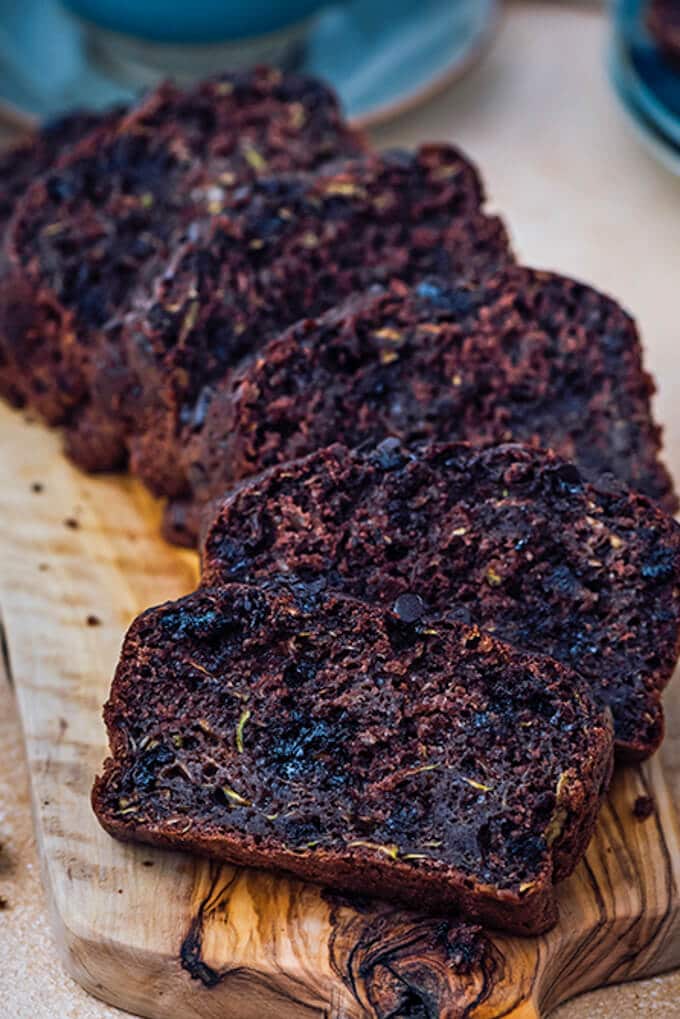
[[652, 83], [381, 56], [660, 145]]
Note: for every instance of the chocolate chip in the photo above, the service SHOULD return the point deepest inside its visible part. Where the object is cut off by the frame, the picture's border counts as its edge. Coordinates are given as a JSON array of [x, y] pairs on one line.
[[389, 454], [408, 607], [567, 476]]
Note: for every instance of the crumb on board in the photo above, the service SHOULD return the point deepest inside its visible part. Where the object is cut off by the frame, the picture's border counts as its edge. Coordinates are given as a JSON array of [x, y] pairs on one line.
[[37, 486], [72, 523], [43, 566], [93, 620], [643, 808], [4, 904]]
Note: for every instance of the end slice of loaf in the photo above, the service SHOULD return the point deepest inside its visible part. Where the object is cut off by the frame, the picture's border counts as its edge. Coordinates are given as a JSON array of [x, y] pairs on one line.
[[20, 165]]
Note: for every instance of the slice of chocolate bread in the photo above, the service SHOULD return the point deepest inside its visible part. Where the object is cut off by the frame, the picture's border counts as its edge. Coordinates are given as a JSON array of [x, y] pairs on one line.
[[88, 233], [40, 150], [428, 763], [20, 165], [285, 248], [510, 538], [526, 355]]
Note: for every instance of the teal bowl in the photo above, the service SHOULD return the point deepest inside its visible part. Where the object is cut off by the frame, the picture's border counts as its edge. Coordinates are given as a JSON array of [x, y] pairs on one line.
[[204, 21]]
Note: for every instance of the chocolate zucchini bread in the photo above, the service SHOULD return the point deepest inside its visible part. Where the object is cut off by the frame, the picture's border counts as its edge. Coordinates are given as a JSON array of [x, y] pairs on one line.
[[105, 220], [526, 355], [429, 763], [20, 165], [663, 22], [509, 538], [288, 247], [39, 151]]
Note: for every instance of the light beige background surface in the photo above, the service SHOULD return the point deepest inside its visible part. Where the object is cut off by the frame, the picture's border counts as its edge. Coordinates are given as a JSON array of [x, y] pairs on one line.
[[580, 196]]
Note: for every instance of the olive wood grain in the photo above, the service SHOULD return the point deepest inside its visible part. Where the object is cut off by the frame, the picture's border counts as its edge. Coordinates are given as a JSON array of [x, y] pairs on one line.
[[168, 936]]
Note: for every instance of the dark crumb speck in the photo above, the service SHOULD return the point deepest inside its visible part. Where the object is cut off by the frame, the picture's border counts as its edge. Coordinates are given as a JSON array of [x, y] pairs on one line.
[[4, 904], [72, 523], [408, 607], [643, 808], [43, 566], [93, 620], [37, 486], [147, 863]]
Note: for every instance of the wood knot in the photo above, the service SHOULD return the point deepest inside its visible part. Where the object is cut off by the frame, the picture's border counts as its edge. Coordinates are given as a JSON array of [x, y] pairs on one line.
[[402, 966]]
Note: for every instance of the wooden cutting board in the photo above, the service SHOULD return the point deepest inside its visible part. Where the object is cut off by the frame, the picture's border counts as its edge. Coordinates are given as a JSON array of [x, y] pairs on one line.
[[175, 937]]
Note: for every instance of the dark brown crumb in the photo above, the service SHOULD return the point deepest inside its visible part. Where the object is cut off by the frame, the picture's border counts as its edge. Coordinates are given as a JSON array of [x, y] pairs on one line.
[[93, 620], [4, 904], [643, 808], [147, 863], [43, 566], [37, 486], [72, 523]]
